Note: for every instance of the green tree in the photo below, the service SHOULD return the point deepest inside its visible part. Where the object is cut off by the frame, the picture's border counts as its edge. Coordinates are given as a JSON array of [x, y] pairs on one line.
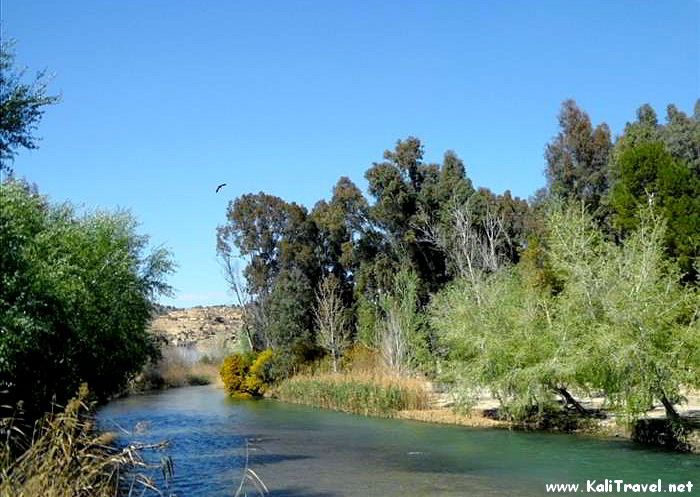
[[681, 135], [278, 239], [290, 327], [577, 158], [648, 173], [22, 106], [75, 298]]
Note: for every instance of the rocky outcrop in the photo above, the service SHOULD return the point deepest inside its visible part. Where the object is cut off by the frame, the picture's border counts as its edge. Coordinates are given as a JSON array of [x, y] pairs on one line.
[[202, 328]]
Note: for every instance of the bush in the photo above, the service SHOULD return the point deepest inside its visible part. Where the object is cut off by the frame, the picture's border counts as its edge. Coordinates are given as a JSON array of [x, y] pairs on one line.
[[234, 371], [247, 375], [259, 376], [76, 296]]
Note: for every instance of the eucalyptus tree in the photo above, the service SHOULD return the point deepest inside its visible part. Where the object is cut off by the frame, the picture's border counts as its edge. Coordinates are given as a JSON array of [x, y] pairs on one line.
[[577, 158]]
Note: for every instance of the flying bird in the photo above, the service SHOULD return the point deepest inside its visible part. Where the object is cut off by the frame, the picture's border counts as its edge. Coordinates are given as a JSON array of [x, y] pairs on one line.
[[220, 187]]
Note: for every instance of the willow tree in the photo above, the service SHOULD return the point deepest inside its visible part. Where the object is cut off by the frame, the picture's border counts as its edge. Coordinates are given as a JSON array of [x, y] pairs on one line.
[[623, 316]]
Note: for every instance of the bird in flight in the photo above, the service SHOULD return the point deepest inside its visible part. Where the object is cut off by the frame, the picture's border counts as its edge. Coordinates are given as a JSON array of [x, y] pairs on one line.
[[220, 187]]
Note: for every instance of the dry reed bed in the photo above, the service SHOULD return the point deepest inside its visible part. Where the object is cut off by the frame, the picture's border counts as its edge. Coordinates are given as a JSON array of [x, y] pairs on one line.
[[67, 457], [358, 393]]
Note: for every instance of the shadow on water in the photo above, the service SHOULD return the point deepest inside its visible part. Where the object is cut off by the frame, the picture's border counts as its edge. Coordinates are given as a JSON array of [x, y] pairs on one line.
[[299, 492], [265, 459]]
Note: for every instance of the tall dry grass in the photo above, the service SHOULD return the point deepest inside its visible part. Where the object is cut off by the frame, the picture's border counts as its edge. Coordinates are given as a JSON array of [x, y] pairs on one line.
[[173, 370], [351, 392], [66, 456], [364, 387]]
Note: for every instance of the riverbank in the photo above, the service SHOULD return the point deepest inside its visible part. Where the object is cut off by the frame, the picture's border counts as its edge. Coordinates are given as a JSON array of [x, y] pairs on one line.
[[419, 400]]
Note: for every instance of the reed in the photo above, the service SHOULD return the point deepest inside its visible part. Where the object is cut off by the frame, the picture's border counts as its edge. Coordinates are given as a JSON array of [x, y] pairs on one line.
[[173, 370], [359, 393], [67, 457]]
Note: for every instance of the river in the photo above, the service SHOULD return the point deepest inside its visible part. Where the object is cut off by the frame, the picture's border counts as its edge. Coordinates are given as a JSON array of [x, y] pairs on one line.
[[302, 451]]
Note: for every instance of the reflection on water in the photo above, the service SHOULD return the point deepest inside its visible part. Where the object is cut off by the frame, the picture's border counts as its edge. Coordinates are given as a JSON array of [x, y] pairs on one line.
[[301, 451]]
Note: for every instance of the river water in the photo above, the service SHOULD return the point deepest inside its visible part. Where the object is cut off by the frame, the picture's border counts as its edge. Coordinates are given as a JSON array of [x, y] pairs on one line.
[[302, 451]]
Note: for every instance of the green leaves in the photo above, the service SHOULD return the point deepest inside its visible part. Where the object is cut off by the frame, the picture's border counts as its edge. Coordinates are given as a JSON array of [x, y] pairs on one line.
[[75, 300], [21, 106], [620, 322]]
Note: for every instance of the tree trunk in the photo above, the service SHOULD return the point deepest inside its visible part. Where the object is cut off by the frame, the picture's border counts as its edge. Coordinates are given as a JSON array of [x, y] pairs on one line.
[[671, 412], [571, 401]]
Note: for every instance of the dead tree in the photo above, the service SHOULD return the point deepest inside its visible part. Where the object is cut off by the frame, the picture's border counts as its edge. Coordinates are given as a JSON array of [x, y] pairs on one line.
[[331, 319]]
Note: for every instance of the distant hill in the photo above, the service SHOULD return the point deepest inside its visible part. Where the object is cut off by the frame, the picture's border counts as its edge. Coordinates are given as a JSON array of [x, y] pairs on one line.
[[202, 327]]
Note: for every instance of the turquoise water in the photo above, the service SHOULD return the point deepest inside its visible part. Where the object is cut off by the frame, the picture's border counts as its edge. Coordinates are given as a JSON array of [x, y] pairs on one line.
[[301, 451]]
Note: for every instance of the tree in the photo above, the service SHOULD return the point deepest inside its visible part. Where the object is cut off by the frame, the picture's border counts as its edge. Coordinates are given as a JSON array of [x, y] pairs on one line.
[[645, 173], [577, 158], [341, 222], [637, 324], [290, 315], [76, 296], [471, 243], [620, 321], [279, 239], [402, 338], [409, 193], [331, 318], [22, 106], [256, 226], [681, 135]]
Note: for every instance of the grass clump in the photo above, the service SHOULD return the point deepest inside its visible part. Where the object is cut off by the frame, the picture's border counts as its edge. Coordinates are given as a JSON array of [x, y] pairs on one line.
[[369, 395], [67, 457]]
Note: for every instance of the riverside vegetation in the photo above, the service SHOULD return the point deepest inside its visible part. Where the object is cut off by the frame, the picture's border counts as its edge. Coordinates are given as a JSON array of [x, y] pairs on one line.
[[589, 289], [77, 292]]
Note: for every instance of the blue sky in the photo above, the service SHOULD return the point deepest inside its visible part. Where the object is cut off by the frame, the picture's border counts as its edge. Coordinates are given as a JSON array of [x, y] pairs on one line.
[[163, 100]]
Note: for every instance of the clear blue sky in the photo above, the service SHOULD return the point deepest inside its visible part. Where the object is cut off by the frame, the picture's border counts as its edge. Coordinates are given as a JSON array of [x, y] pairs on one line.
[[163, 100]]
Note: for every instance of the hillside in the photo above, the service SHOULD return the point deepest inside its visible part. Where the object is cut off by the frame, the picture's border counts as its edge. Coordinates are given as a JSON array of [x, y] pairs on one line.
[[199, 327]]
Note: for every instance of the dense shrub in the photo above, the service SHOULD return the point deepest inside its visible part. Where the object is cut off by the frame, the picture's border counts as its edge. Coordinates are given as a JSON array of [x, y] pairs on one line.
[[247, 375], [76, 295]]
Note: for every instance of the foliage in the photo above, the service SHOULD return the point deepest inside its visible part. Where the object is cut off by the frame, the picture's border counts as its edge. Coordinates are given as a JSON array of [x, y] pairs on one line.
[[21, 106], [403, 338], [260, 376], [247, 374], [648, 173], [367, 325], [234, 371], [76, 296], [523, 298], [642, 322], [620, 322], [496, 334], [290, 314], [577, 158]]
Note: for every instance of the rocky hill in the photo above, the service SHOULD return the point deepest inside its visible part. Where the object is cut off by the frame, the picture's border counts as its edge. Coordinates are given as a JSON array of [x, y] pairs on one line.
[[199, 327]]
